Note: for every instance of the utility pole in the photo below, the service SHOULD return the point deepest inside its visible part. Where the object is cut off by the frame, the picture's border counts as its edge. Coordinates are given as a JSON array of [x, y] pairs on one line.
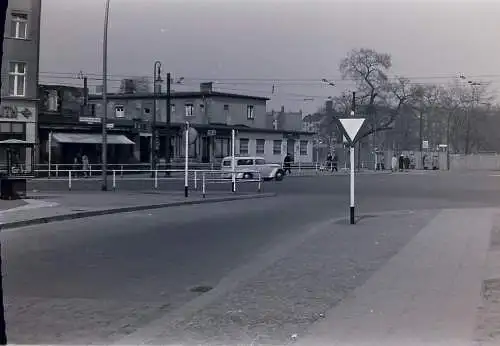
[[104, 121], [3, 334], [156, 85], [169, 114], [420, 131], [85, 96]]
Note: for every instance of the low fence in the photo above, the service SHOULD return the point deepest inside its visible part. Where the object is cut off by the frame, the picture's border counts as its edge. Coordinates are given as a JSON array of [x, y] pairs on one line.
[[196, 179]]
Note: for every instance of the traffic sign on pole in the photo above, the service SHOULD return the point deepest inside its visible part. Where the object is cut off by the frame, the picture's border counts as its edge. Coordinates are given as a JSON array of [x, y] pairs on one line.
[[351, 127]]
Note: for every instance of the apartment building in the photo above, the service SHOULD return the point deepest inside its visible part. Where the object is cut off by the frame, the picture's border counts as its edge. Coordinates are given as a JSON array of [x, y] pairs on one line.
[[213, 114], [19, 99]]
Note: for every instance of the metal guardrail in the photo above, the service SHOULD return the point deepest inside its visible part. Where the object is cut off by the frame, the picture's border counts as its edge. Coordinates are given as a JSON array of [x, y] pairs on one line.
[[198, 178], [57, 170]]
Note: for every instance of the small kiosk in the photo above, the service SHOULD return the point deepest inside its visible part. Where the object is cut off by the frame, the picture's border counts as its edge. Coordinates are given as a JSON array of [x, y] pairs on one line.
[[14, 172]]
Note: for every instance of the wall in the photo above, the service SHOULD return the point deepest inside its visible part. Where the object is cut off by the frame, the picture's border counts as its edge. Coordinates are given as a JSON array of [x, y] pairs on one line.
[[237, 112], [475, 162], [21, 50], [268, 147], [213, 110]]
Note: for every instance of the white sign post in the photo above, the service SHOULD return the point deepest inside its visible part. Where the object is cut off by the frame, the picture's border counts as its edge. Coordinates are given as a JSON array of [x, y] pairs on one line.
[[351, 128], [50, 154], [233, 159], [186, 162]]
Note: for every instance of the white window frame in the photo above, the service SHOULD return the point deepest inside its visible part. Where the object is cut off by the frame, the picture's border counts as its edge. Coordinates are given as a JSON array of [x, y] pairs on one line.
[[246, 141], [257, 151], [303, 144], [250, 112], [275, 142], [17, 75], [119, 111], [189, 110], [17, 20]]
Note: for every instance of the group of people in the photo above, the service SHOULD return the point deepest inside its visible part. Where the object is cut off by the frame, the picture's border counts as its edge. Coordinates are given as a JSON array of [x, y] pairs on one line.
[[402, 163], [81, 164], [332, 162]]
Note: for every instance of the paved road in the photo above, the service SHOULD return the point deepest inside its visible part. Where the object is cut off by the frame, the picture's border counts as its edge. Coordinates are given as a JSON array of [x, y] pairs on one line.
[[101, 279]]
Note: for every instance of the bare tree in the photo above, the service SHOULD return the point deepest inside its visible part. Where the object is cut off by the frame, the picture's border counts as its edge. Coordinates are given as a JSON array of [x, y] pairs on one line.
[[379, 99]]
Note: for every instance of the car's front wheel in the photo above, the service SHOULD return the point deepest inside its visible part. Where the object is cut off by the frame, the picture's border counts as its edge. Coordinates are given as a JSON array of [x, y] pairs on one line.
[[279, 175], [247, 176]]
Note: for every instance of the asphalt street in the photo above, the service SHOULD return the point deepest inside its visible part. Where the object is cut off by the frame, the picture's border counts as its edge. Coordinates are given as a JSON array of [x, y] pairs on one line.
[[256, 270]]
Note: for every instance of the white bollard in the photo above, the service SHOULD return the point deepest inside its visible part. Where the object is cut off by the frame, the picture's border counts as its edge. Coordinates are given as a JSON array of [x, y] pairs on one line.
[[90, 170], [114, 179], [203, 185], [57, 170], [259, 187], [156, 179], [195, 179], [69, 179]]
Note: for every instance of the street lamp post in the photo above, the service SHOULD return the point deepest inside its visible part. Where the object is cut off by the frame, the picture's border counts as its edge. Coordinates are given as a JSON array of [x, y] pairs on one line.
[[104, 152], [473, 85], [169, 113], [156, 86]]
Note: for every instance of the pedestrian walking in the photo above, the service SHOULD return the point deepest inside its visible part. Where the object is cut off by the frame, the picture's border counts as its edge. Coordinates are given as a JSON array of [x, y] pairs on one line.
[[329, 161], [86, 165], [401, 163], [287, 162], [335, 163]]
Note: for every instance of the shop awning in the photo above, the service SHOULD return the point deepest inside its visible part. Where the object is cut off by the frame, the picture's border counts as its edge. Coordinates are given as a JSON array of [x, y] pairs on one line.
[[89, 138]]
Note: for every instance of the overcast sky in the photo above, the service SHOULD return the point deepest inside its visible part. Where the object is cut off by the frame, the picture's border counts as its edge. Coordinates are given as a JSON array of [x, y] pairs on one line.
[[258, 41]]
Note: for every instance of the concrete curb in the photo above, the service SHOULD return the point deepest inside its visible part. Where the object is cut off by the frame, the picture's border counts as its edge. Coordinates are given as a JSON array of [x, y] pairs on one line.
[[90, 213]]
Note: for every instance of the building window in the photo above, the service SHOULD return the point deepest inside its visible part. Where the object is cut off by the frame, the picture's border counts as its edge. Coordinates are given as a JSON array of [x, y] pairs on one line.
[[277, 147], [19, 28], [226, 107], [189, 109], [17, 128], [244, 146], [250, 112], [119, 111], [260, 146], [17, 79], [53, 101], [303, 148], [147, 110], [202, 108]]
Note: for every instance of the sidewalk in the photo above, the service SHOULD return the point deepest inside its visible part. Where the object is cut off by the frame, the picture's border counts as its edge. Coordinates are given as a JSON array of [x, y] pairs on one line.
[[49, 207], [427, 294]]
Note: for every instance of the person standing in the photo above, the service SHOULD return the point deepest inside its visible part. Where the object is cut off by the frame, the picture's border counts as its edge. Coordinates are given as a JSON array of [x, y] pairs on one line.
[[329, 161], [335, 163], [394, 163], [287, 162], [86, 165]]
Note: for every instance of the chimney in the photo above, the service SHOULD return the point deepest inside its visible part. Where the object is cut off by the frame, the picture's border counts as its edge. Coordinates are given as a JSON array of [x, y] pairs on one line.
[[329, 106], [206, 87]]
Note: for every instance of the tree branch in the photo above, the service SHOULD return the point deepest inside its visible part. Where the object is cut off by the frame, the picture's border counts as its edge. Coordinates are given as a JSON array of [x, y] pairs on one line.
[[371, 131]]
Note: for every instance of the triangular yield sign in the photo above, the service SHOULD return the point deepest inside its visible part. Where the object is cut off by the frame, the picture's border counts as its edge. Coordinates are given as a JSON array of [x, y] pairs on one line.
[[351, 126]]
